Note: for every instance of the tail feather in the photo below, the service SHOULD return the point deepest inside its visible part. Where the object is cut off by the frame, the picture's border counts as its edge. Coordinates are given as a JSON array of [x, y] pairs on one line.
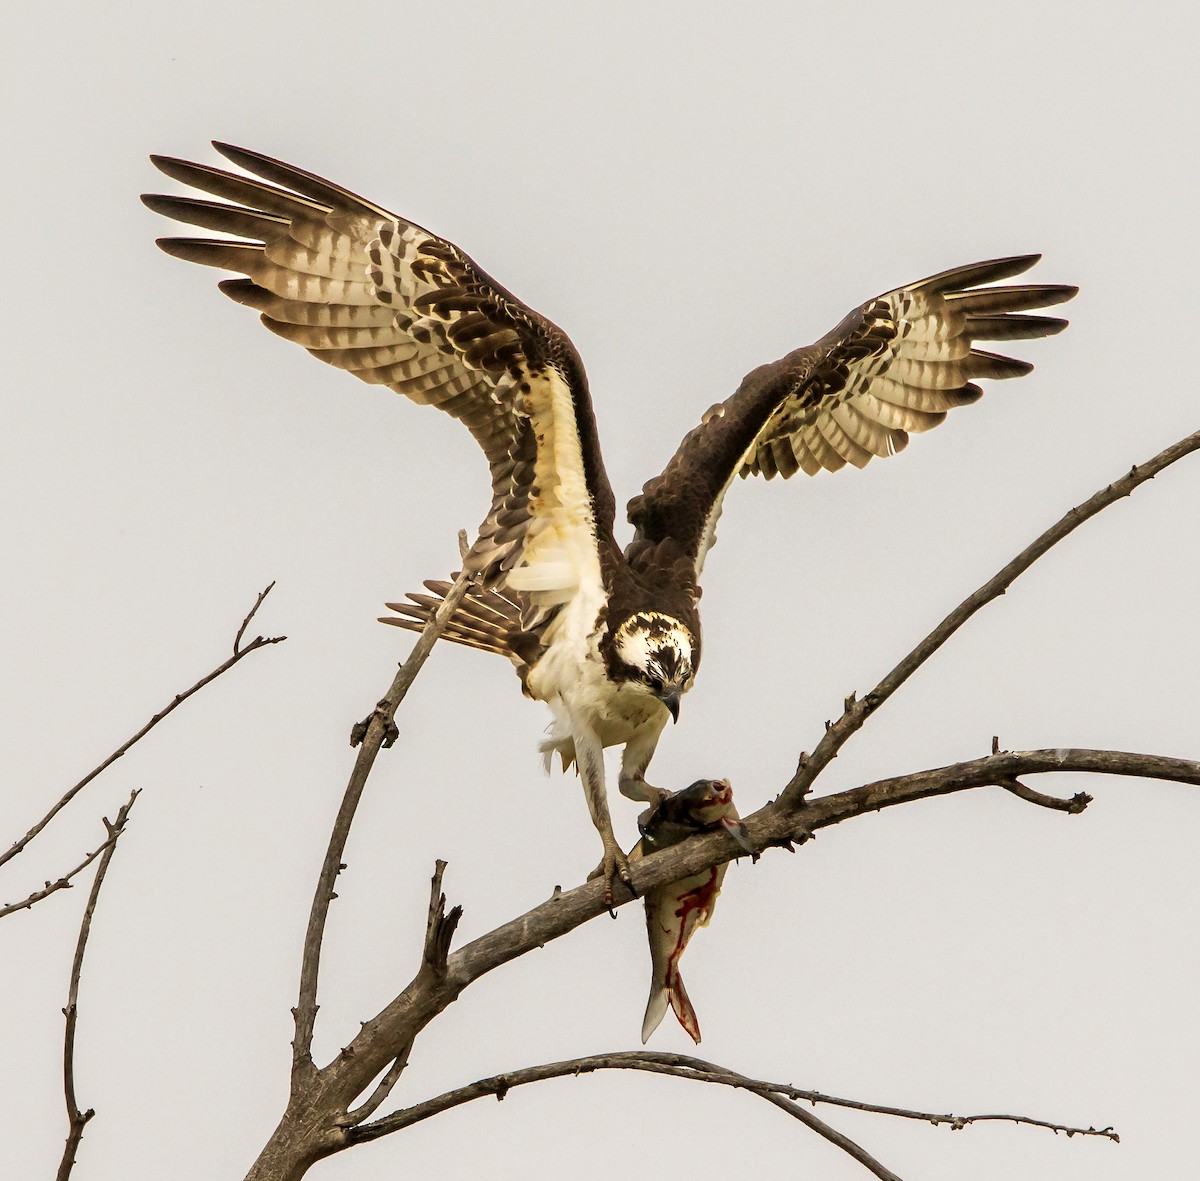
[[453, 634], [484, 619]]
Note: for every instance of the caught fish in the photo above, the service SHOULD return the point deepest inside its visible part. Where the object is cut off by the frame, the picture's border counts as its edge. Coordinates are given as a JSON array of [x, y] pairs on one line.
[[675, 910]]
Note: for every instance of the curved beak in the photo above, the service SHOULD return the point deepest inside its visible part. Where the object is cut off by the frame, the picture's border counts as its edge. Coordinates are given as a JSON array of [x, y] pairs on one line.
[[670, 698]]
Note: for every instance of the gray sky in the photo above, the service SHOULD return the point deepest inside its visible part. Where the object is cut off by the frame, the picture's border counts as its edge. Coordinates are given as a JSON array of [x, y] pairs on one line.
[[688, 193]]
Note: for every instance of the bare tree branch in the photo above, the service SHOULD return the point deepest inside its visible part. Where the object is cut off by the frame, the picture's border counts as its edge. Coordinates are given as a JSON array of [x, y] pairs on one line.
[[772, 825], [688, 1067], [370, 735], [678, 1065], [856, 712], [241, 631], [314, 1124], [238, 654], [78, 1120]]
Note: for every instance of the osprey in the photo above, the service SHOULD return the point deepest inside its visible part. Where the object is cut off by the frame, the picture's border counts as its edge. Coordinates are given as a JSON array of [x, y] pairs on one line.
[[608, 638]]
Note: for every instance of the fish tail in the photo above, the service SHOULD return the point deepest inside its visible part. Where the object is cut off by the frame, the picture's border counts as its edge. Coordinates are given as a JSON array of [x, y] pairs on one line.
[[656, 1010]]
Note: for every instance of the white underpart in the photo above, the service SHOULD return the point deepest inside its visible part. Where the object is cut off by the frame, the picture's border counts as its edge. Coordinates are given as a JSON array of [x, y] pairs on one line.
[[581, 695]]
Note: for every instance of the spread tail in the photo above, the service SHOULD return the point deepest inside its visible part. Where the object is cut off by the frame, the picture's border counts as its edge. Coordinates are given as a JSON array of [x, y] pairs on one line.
[[484, 619]]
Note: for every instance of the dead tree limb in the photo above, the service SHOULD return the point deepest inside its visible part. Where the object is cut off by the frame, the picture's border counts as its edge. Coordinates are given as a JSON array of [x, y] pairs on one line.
[[78, 1120]]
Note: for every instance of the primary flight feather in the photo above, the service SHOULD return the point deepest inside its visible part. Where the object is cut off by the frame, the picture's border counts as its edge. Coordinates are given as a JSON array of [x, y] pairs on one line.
[[610, 639]]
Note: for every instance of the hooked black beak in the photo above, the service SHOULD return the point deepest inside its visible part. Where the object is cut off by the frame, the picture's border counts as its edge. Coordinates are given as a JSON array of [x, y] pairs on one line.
[[670, 699]]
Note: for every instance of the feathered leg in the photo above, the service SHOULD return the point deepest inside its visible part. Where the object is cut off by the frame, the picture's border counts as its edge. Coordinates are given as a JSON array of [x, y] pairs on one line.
[[635, 758], [589, 757]]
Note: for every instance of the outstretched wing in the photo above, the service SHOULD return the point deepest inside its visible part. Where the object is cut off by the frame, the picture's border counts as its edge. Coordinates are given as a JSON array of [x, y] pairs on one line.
[[393, 304], [897, 364]]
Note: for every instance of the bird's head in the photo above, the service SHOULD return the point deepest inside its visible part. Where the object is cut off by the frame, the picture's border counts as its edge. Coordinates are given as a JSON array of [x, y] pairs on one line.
[[657, 653]]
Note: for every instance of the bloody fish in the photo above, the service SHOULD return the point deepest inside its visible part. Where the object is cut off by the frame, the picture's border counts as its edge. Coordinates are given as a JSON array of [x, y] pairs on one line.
[[674, 911]]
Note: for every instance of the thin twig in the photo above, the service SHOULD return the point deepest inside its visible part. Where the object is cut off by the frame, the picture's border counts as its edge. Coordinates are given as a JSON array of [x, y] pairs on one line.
[[954, 1122], [856, 712], [374, 733], [1074, 805], [62, 883], [382, 1090], [178, 700], [78, 1120], [241, 631]]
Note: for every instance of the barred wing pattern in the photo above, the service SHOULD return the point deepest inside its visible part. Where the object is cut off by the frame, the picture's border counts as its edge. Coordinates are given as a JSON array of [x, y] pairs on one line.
[[369, 292], [895, 365]]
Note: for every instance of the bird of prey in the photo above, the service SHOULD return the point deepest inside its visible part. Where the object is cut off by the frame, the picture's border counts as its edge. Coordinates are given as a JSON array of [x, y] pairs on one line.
[[674, 911], [609, 638]]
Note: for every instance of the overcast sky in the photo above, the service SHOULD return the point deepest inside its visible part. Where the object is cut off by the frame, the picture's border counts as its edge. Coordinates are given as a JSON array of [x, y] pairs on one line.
[[688, 193]]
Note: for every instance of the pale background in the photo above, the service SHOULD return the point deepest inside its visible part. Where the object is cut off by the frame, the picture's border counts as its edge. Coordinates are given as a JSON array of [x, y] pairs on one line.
[[688, 192]]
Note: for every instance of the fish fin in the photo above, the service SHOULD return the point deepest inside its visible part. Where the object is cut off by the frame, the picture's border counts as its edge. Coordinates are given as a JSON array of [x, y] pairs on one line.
[[656, 1010], [683, 1009]]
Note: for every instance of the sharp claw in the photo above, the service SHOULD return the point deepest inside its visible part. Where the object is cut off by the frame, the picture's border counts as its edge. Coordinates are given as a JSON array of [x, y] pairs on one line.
[[613, 868], [621, 864]]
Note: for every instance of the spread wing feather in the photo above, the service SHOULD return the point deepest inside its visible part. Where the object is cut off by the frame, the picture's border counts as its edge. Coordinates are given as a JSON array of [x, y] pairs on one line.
[[895, 365], [378, 296]]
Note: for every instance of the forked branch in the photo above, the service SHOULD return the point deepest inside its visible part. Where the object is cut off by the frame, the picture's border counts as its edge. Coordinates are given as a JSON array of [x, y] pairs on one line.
[[62, 883], [696, 1069], [239, 654]]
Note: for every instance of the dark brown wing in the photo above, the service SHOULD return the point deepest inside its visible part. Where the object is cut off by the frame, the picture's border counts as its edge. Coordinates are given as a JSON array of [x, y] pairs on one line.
[[393, 304], [897, 364]]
